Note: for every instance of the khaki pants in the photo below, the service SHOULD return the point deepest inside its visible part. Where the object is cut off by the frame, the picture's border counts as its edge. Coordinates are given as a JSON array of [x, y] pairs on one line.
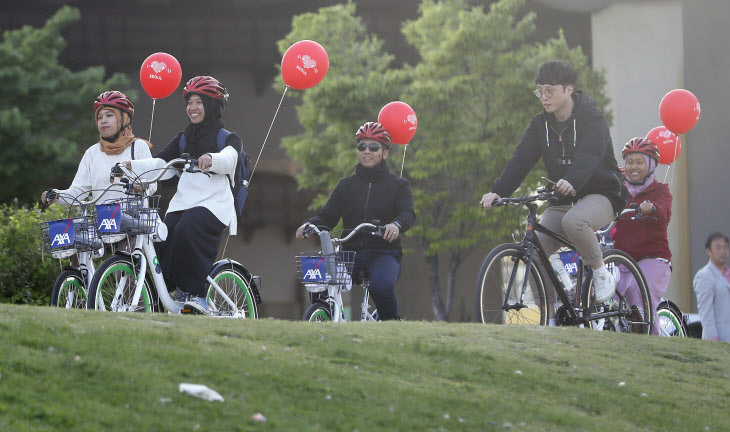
[[578, 223]]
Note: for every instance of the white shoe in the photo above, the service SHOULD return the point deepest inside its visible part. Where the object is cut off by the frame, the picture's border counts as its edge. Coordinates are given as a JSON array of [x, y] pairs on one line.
[[604, 284]]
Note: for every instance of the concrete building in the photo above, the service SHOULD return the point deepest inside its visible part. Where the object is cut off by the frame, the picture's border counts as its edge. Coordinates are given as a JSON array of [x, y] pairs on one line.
[[647, 48]]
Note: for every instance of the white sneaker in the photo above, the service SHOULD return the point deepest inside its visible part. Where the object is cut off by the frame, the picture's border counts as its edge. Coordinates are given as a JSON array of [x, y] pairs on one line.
[[604, 284]]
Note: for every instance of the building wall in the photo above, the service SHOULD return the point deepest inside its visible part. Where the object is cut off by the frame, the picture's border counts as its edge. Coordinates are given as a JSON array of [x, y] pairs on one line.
[[640, 46]]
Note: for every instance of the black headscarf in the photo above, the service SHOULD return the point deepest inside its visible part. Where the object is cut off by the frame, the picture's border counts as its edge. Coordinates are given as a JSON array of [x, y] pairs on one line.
[[201, 138]]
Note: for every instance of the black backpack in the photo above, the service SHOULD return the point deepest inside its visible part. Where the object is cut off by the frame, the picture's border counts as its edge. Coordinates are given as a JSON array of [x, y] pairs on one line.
[[243, 171]]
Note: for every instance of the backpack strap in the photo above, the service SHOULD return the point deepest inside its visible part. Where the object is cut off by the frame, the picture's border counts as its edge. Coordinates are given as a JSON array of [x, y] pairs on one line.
[[181, 143], [133, 149]]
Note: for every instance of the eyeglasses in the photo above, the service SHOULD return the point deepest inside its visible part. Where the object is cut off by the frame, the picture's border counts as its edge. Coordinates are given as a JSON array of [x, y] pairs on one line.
[[548, 93], [373, 147]]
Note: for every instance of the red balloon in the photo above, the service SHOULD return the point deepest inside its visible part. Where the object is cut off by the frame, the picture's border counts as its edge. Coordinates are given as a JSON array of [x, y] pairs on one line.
[[668, 142], [679, 111], [400, 120], [304, 65], [160, 75]]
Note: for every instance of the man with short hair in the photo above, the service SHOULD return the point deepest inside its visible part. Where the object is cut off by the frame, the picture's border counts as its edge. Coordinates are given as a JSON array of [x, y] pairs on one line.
[[712, 288], [571, 136]]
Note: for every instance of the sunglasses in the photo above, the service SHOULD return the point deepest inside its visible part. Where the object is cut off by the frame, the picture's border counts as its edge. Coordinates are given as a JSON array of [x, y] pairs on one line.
[[373, 147]]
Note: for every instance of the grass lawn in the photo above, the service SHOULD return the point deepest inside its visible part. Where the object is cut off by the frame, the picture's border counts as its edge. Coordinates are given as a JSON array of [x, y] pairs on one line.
[[68, 370]]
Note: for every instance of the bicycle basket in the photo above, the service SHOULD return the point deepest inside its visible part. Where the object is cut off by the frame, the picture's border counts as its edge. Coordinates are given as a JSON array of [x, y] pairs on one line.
[[65, 237], [313, 268], [128, 216]]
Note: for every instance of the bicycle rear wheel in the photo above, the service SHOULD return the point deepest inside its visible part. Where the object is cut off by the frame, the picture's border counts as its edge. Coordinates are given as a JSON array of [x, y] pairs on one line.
[[499, 289], [670, 320], [113, 285], [69, 291], [627, 314], [234, 284], [318, 312]]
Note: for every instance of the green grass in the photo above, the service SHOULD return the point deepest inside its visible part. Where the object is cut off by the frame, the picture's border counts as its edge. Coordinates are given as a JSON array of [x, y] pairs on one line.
[[89, 371]]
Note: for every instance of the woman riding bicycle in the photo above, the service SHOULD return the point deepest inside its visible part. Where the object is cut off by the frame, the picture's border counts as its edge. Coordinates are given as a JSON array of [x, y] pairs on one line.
[[203, 205], [645, 239], [572, 138], [113, 113]]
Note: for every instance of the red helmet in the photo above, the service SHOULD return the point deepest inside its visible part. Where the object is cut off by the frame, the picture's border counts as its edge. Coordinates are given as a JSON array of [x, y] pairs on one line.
[[373, 130], [206, 85], [641, 145], [114, 99]]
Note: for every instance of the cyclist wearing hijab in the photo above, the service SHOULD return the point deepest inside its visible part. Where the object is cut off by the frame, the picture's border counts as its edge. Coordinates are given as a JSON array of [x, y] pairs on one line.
[[202, 206], [645, 239]]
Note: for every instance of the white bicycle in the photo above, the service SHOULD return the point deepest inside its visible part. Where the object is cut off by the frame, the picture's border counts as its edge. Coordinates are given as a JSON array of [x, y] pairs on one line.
[[330, 270], [133, 282]]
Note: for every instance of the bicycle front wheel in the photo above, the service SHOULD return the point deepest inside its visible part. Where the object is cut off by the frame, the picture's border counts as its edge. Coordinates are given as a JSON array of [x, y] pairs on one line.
[[670, 320], [112, 288], [69, 291], [629, 312], [318, 312], [234, 284], [500, 298]]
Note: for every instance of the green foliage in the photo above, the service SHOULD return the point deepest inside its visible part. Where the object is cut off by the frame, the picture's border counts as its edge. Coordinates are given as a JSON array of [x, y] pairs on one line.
[[472, 93], [69, 370], [46, 119], [357, 85], [26, 275]]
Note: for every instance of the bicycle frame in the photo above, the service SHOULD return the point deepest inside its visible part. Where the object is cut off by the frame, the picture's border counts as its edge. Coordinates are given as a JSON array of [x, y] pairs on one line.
[[532, 243]]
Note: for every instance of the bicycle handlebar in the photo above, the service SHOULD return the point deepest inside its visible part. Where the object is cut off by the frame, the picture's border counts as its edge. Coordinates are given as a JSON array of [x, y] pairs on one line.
[[190, 165], [52, 194], [377, 231]]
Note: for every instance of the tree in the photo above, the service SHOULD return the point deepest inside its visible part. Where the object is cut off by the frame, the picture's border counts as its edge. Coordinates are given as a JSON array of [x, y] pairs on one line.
[[471, 92], [45, 109]]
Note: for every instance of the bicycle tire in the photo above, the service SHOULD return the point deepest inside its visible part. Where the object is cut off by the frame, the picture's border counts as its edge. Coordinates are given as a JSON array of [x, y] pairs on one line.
[[493, 283], [318, 312], [670, 320], [69, 291], [104, 287], [637, 319], [234, 284]]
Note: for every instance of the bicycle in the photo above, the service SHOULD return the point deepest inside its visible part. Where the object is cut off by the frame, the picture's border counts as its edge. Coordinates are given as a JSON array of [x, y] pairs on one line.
[[133, 282], [330, 270], [70, 288], [671, 320], [510, 288]]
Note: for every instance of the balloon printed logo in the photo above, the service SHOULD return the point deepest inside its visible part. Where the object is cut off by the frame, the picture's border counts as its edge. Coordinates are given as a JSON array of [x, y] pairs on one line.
[[308, 62], [666, 134], [158, 67], [412, 119]]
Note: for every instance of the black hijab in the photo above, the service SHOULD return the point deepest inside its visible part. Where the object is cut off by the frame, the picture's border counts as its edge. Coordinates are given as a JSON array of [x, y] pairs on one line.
[[201, 138]]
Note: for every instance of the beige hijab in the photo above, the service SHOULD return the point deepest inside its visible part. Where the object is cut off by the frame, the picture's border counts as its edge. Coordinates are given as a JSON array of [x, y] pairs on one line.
[[124, 139]]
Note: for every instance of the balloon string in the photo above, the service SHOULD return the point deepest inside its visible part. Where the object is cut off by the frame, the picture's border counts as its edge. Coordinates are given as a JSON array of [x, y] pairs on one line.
[[404, 160], [671, 165], [152, 120], [267, 135]]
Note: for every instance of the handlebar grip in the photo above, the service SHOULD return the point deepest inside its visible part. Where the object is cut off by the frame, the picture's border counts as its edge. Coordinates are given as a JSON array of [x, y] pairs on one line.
[[50, 196]]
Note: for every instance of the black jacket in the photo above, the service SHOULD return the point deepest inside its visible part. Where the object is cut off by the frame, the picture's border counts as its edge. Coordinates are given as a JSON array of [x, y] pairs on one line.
[[370, 193], [585, 158]]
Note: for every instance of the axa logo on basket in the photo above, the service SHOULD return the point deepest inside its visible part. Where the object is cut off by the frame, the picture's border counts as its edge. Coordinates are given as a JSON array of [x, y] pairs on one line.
[[108, 224], [313, 274], [61, 240]]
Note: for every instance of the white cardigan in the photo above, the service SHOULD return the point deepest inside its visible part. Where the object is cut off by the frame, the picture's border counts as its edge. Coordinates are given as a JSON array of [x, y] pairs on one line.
[[93, 173], [199, 190]]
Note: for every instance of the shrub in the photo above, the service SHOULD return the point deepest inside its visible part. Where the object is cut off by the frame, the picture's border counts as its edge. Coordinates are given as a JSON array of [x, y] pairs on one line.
[[26, 274]]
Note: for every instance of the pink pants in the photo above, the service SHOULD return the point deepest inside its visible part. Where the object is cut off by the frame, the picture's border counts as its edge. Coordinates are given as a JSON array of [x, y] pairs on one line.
[[657, 275]]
